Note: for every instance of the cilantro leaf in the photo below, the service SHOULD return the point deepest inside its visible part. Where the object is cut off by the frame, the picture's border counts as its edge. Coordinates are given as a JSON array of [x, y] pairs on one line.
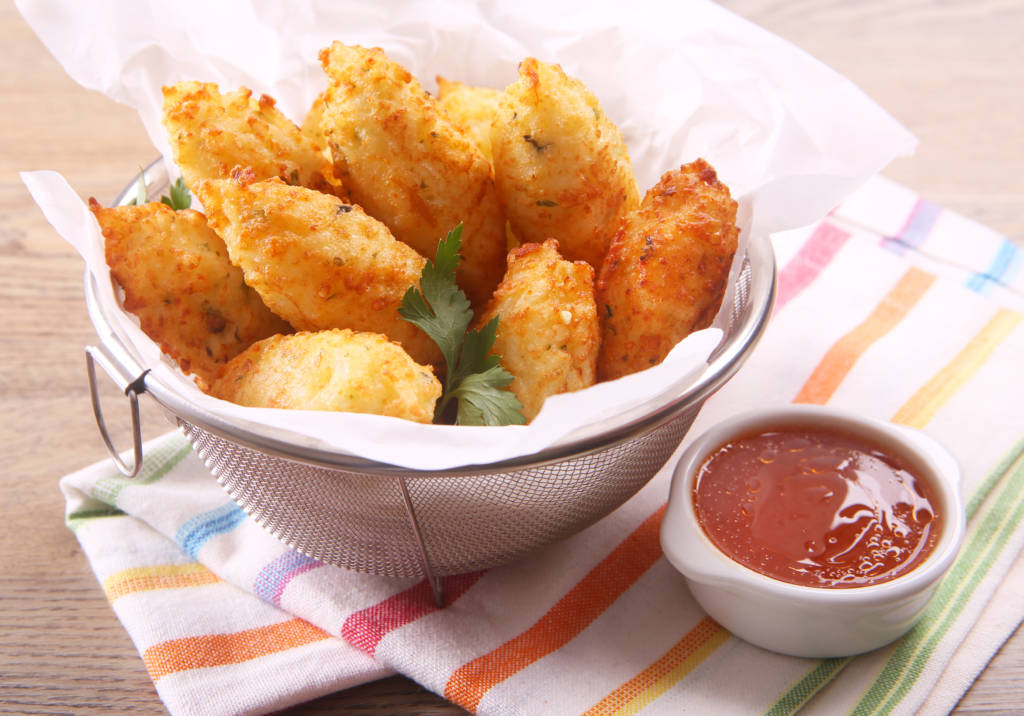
[[474, 377], [438, 306], [483, 402], [475, 347], [180, 197]]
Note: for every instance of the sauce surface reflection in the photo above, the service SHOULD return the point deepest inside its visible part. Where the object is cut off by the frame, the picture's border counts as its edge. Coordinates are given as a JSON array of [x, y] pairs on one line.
[[816, 508]]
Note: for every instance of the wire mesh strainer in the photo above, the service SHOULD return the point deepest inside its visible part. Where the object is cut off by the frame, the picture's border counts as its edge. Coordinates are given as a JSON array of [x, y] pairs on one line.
[[391, 521]]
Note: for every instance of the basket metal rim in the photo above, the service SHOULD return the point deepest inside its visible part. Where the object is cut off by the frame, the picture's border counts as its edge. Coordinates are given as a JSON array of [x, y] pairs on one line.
[[724, 363]]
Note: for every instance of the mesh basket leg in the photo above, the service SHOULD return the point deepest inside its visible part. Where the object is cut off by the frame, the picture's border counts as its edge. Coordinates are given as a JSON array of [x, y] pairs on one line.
[[435, 582]]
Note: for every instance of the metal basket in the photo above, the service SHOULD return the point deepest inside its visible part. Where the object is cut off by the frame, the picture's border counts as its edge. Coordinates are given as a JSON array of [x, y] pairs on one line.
[[387, 520]]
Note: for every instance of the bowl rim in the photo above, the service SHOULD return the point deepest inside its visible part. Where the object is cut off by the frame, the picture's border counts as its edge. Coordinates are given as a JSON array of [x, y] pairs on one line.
[[723, 363], [689, 549]]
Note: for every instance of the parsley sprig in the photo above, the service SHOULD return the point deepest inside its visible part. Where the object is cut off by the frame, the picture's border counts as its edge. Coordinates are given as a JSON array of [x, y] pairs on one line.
[[474, 377], [178, 196]]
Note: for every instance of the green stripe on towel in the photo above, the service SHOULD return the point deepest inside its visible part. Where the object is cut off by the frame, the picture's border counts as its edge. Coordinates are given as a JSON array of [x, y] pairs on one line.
[[983, 548], [821, 674], [80, 517], [808, 686], [162, 458]]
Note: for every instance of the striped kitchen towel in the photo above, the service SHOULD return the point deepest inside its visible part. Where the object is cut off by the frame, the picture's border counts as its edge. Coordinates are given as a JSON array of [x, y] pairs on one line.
[[890, 306]]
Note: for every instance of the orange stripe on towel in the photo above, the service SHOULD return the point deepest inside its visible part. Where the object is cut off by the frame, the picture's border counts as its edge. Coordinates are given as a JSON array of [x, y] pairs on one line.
[[573, 613], [161, 576], [198, 652], [837, 363], [687, 654]]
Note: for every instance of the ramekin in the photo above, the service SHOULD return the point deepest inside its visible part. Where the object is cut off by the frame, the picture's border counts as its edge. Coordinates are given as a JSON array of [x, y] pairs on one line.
[[800, 620]]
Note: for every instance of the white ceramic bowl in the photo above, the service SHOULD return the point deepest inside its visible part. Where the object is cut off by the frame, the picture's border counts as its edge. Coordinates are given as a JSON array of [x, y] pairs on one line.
[[799, 620]]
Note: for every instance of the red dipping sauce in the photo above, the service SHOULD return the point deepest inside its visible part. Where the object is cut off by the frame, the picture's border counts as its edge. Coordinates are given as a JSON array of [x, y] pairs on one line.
[[816, 507]]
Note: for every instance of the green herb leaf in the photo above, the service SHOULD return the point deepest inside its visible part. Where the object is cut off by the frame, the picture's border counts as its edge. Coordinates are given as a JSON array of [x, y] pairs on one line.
[[475, 347], [180, 197], [483, 402], [439, 307], [474, 376]]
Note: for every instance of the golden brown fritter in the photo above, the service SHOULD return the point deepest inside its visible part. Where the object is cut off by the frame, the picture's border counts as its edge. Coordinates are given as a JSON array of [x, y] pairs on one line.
[[407, 165], [548, 331], [312, 129], [211, 133], [178, 281], [316, 261], [331, 370], [471, 108], [666, 269], [560, 164]]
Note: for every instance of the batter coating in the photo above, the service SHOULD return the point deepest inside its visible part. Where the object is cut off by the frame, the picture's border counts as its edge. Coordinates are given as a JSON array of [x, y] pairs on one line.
[[312, 127], [178, 281], [211, 133], [331, 370], [560, 164], [316, 261], [666, 269], [409, 166], [548, 333], [473, 109]]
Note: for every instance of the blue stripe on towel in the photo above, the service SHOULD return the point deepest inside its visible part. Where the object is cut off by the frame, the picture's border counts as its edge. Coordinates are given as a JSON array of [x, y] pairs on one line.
[[273, 578], [196, 532], [1005, 264]]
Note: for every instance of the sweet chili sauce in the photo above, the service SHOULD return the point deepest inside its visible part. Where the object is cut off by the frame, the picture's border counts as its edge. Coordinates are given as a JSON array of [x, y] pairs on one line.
[[816, 507]]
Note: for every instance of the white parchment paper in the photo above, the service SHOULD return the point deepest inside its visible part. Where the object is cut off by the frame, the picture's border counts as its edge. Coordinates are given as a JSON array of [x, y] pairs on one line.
[[682, 80]]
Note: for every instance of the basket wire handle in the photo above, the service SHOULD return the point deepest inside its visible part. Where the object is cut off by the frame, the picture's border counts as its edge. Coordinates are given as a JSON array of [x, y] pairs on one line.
[[131, 387], [435, 582]]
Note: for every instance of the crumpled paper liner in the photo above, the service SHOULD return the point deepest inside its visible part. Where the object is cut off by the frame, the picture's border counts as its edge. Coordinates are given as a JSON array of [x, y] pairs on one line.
[[789, 136]]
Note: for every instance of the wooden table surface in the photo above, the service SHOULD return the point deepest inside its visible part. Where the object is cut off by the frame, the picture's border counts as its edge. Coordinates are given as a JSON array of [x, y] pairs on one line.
[[952, 72]]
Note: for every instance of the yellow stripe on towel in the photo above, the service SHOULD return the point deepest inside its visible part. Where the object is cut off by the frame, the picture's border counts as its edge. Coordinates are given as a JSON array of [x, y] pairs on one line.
[[161, 576], [687, 654], [926, 402]]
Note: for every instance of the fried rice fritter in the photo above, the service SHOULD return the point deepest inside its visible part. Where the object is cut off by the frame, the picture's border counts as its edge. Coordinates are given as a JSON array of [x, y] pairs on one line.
[[409, 166], [178, 281], [548, 333], [210, 133], [472, 108], [561, 167], [313, 130], [316, 261], [331, 370], [666, 270]]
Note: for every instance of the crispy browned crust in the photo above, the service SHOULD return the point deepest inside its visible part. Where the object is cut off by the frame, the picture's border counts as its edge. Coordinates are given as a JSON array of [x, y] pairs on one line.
[[472, 109], [548, 331], [561, 167], [178, 281], [666, 269], [316, 261], [331, 370], [210, 133], [409, 166], [311, 127]]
